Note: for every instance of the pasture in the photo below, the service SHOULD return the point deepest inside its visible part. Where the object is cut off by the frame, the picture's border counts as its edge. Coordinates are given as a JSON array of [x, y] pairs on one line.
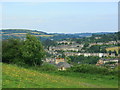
[[18, 77]]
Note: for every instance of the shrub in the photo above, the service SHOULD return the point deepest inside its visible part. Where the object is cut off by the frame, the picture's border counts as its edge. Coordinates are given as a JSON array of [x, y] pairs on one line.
[[11, 50], [83, 60], [87, 68], [47, 67]]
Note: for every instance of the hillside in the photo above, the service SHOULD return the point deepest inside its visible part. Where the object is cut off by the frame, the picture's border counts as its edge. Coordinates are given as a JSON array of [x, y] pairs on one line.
[[18, 77], [113, 49], [21, 33]]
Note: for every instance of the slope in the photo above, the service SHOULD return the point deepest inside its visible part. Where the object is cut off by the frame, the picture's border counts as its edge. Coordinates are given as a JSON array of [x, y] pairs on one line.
[[18, 77]]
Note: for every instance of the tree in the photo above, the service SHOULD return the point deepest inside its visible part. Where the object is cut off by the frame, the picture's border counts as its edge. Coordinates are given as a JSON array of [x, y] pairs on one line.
[[119, 51], [94, 48], [68, 60], [110, 52], [32, 51], [83, 60], [47, 43], [116, 54], [11, 50], [103, 50], [86, 44]]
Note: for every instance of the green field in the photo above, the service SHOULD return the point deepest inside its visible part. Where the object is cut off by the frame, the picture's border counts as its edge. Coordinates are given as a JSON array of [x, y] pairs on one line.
[[113, 49], [18, 77]]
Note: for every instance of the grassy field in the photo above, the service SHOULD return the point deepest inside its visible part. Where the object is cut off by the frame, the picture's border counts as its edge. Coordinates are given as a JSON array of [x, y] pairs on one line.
[[113, 48], [19, 34], [18, 77]]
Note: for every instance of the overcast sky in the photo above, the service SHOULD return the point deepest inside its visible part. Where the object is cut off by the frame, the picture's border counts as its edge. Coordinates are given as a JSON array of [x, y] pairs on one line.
[[63, 17]]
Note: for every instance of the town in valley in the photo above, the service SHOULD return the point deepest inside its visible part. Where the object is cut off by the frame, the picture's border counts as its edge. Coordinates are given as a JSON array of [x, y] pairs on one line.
[[66, 51]]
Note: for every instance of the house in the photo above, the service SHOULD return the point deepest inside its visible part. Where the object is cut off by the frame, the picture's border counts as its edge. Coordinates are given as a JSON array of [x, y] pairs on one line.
[[111, 60], [112, 42], [112, 55], [58, 60], [63, 65], [74, 47], [97, 37], [49, 60], [86, 54], [71, 53], [95, 54], [100, 62], [108, 61], [65, 42]]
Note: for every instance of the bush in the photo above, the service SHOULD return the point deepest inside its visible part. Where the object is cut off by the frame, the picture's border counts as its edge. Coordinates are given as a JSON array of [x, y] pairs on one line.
[[83, 60], [47, 67], [87, 68], [11, 50], [19, 62]]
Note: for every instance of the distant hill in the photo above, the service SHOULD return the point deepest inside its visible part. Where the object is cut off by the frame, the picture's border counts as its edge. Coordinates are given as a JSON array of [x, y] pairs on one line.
[[22, 31], [21, 34]]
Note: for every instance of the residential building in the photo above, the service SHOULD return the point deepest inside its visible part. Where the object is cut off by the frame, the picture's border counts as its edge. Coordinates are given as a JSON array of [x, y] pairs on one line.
[[58, 60], [63, 65], [105, 61]]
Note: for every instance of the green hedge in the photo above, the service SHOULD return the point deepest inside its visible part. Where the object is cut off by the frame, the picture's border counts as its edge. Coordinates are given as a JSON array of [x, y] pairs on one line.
[[45, 67], [93, 69]]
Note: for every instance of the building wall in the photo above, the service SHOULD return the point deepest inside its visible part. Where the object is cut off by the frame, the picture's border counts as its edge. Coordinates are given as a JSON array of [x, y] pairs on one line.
[[57, 60]]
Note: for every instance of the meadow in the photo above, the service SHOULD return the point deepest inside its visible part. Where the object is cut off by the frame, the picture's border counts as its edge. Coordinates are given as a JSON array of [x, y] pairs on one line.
[[19, 77], [113, 49]]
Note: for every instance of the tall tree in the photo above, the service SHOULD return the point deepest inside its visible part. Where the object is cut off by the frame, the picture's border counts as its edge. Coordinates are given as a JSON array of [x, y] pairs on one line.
[[11, 50], [116, 54], [47, 43], [119, 51], [32, 51]]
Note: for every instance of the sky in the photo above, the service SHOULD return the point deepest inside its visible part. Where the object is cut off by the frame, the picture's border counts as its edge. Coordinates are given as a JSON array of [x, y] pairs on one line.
[[61, 17]]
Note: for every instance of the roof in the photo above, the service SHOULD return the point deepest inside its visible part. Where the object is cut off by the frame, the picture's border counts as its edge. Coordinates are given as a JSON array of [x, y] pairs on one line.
[[109, 59], [63, 64], [59, 58], [52, 62]]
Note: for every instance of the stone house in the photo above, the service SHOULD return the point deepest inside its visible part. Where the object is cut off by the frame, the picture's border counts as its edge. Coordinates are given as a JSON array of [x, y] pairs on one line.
[[63, 65], [58, 60], [70, 53], [65, 42], [50, 60], [86, 54], [105, 61], [95, 54], [97, 37]]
